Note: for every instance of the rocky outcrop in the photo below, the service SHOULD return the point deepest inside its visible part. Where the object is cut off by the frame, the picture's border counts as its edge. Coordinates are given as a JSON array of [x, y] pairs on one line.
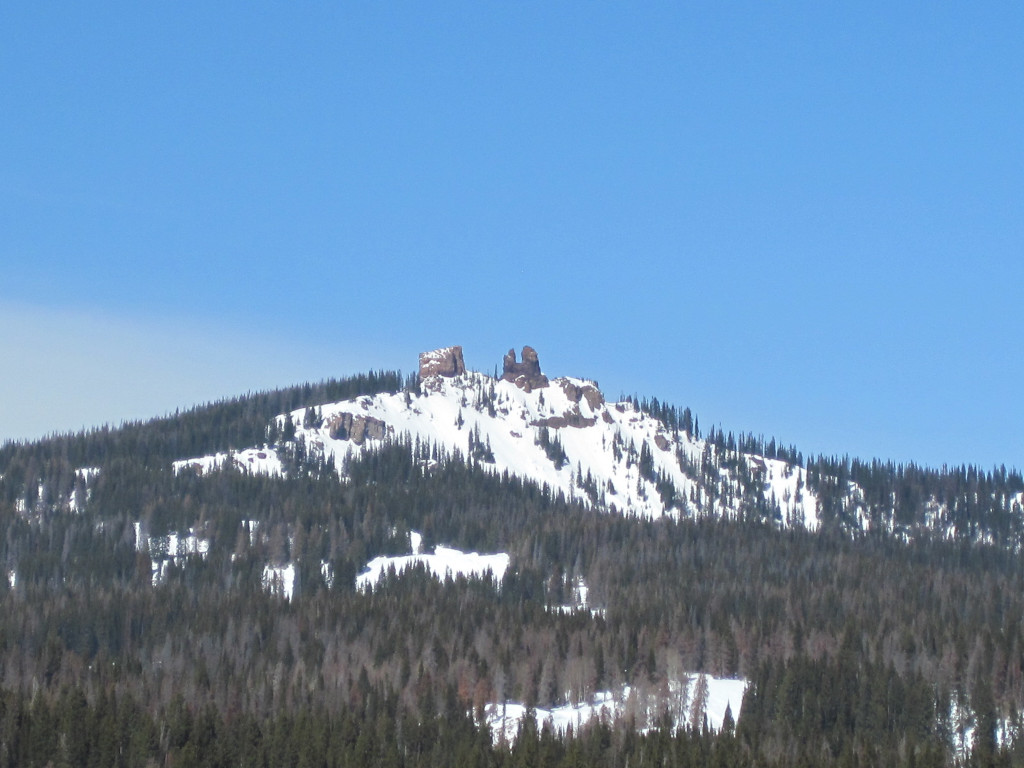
[[586, 392], [525, 375], [574, 416], [446, 361], [348, 426], [570, 419]]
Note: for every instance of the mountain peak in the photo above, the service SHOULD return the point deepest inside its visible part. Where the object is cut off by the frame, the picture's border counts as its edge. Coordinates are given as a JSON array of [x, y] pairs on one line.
[[525, 375], [446, 361]]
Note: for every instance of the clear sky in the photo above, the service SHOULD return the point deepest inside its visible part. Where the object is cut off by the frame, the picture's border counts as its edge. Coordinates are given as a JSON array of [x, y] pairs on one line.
[[799, 219]]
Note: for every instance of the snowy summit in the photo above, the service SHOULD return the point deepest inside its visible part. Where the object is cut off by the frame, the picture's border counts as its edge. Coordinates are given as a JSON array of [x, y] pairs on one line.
[[560, 433]]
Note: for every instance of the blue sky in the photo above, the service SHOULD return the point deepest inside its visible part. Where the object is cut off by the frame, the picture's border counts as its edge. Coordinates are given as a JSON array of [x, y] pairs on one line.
[[799, 220]]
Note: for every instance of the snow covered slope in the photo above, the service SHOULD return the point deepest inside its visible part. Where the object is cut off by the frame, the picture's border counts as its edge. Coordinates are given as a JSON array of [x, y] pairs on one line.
[[444, 562], [563, 435]]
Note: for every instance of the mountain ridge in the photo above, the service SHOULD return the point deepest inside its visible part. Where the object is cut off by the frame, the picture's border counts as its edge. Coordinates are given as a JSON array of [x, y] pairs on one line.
[[621, 457]]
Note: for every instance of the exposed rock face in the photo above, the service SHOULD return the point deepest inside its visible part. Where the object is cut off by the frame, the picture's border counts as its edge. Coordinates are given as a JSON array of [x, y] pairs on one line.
[[574, 416], [591, 394], [570, 419], [446, 361], [347, 426], [525, 375]]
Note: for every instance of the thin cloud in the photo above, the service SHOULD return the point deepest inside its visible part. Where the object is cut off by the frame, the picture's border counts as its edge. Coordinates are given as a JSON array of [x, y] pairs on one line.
[[65, 370]]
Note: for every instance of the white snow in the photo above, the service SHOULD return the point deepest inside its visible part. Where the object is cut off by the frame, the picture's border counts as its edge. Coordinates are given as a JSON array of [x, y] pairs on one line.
[[261, 461], [787, 485], [444, 562], [280, 579], [580, 600], [604, 445], [251, 526], [602, 451], [964, 723], [175, 545], [86, 475], [174, 548], [504, 719]]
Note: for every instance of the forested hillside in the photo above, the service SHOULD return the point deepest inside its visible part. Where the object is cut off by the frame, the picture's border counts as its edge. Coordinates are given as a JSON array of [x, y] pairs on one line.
[[158, 608]]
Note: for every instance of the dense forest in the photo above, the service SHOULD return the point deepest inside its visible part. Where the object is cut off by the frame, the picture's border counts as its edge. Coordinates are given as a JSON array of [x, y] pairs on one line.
[[888, 644]]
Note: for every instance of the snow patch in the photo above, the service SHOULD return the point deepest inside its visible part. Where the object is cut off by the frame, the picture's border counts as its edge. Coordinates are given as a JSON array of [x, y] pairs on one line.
[[280, 580], [580, 600], [251, 527], [683, 702], [172, 549], [787, 485], [257, 461], [444, 562]]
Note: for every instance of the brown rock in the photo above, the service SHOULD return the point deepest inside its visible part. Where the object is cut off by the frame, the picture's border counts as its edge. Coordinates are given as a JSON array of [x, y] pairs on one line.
[[525, 375], [572, 392], [570, 419], [588, 392], [346, 426], [446, 361]]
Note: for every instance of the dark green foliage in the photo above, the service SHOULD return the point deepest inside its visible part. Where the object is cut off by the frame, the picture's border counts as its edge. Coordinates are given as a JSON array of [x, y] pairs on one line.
[[552, 447], [237, 423], [831, 707]]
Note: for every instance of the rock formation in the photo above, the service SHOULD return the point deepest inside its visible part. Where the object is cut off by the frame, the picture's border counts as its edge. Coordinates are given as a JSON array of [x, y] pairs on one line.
[[525, 375], [574, 416], [588, 392], [571, 418], [446, 361], [347, 426]]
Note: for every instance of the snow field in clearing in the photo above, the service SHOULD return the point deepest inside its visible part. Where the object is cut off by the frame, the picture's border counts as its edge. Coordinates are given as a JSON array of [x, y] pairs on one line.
[[580, 600], [787, 485], [280, 580], [263, 461], [444, 562], [168, 550], [505, 719]]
